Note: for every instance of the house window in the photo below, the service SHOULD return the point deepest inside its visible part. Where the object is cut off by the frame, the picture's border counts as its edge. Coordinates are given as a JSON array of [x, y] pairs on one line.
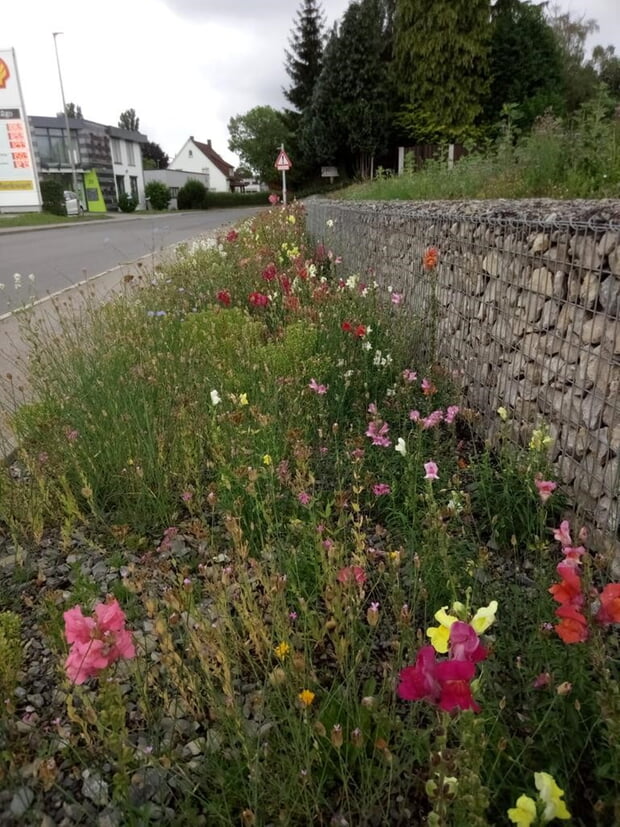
[[190, 153], [120, 185], [130, 154], [116, 151], [52, 146], [133, 183]]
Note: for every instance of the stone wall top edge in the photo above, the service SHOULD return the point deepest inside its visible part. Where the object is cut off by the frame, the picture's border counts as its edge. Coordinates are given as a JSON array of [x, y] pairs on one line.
[[576, 212]]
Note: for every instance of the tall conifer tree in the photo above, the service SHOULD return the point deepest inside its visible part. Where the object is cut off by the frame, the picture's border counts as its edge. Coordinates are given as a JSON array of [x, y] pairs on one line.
[[304, 61], [441, 57]]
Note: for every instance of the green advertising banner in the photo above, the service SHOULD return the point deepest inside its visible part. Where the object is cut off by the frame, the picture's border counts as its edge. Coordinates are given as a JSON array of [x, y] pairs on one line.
[[94, 197]]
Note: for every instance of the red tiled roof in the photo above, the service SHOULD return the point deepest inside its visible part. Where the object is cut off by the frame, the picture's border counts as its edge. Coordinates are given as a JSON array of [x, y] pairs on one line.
[[225, 168]]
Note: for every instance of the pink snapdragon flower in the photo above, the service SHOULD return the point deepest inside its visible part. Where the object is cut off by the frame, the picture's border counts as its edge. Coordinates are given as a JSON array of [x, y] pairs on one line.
[[381, 488], [319, 389], [96, 642], [431, 471], [545, 488], [562, 534], [409, 375], [352, 574], [377, 431]]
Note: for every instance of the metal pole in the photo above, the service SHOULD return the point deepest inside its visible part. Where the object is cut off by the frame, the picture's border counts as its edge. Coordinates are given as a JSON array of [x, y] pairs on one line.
[[64, 109], [283, 180]]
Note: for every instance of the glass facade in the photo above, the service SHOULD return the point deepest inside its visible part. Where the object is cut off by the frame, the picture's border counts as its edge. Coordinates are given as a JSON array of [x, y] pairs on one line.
[[52, 146]]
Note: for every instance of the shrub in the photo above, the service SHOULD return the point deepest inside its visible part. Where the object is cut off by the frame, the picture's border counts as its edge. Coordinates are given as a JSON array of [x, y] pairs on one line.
[[126, 203], [158, 194], [237, 199], [52, 194], [192, 196]]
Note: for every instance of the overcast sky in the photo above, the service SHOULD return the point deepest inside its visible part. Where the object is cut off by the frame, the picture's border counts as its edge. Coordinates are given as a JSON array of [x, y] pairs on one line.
[[185, 66]]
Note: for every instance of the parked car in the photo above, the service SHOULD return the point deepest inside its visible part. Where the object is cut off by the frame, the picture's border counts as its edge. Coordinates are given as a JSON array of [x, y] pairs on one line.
[[73, 205]]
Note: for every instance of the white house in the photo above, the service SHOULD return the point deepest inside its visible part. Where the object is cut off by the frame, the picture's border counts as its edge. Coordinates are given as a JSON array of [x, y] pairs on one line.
[[174, 179], [126, 155], [198, 157]]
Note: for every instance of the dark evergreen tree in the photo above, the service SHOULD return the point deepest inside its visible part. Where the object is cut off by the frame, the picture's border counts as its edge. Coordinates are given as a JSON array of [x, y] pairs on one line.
[[349, 113], [154, 156], [441, 61], [524, 62], [304, 61]]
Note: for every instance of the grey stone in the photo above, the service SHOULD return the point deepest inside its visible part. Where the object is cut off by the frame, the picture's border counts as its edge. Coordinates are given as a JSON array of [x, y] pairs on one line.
[[21, 801]]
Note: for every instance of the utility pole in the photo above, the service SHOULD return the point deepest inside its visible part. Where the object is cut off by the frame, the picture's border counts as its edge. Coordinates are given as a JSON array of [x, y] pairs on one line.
[[64, 109]]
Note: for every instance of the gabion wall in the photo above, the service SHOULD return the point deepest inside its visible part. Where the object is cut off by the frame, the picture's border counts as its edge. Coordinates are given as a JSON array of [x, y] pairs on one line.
[[528, 298]]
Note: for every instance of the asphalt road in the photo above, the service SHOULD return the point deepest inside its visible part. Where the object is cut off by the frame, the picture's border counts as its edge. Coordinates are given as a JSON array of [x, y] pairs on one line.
[[65, 255]]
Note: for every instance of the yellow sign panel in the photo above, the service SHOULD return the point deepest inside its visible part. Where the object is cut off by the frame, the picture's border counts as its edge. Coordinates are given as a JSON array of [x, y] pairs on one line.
[[5, 186]]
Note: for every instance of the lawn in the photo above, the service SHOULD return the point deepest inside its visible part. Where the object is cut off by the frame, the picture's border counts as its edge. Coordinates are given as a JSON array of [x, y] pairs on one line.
[[259, 568], [40, 219]]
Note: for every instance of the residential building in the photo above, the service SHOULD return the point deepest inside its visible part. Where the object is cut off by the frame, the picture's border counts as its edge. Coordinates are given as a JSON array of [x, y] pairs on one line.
[[174, 179], [107, 159], [195, 156]]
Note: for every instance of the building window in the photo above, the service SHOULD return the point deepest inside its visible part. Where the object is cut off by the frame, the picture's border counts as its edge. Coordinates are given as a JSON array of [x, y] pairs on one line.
[[190, 154], [120, 185], [130, 154], [52, 146], [133, 183], [116, 151]]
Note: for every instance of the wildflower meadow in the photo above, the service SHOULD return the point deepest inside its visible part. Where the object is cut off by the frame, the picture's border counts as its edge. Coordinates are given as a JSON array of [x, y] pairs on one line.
[[262, 568]]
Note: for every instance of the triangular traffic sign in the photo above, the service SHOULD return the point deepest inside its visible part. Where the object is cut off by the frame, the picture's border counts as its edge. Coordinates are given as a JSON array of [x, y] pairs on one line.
[[283, 162]]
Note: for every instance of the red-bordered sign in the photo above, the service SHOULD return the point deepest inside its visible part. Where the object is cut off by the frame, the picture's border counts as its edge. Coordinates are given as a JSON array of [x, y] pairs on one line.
[[283, 162]]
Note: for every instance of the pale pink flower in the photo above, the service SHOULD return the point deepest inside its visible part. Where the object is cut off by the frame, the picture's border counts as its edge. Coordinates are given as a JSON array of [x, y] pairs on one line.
[[397, 298], [409, 375], [451, 412], [352, 574], [186, 496], [545, 488], [372, 409], [432, 419], [320, 389], [431, 471], [562, 534], [377, 431], [304, 498], [381, 488], [414, 416]]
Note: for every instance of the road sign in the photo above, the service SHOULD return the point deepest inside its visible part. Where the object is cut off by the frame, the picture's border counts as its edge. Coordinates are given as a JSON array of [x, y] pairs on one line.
[[283, 162]]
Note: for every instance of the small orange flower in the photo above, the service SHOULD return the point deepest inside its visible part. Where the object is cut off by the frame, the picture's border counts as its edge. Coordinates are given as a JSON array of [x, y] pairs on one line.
[[306, 697], [430, 259]]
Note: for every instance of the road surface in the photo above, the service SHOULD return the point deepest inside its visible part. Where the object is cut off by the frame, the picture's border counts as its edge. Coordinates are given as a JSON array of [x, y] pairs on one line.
[[61, 256]]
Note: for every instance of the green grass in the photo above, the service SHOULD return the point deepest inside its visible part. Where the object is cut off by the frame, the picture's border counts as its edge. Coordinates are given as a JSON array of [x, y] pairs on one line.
[[275, 593], [41, 219], [579, 160]]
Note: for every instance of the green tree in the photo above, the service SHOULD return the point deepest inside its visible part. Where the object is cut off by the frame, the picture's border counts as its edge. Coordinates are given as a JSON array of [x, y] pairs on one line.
[[606, 63], [73, 110], [348, 118], [305, 59], [128, 120], [441, 61], [524, 61], [580, 78], [256, 138], [154, 157]]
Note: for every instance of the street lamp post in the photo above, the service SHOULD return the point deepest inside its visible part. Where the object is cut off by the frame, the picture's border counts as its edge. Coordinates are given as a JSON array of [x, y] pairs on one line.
[[64, 109]]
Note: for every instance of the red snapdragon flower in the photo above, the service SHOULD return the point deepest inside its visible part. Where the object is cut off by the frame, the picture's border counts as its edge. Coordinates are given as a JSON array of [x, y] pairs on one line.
[[258, 299], [270, 272], [573, 627], [223, 297], [232, 235], [609, 611], [352, 574]]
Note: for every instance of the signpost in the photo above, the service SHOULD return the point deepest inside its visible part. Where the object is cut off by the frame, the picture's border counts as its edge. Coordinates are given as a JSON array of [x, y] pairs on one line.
[[283, 164], [19, 185]]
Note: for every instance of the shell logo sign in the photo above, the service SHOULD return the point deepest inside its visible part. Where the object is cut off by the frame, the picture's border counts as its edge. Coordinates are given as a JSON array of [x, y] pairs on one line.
[[4, 74]]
